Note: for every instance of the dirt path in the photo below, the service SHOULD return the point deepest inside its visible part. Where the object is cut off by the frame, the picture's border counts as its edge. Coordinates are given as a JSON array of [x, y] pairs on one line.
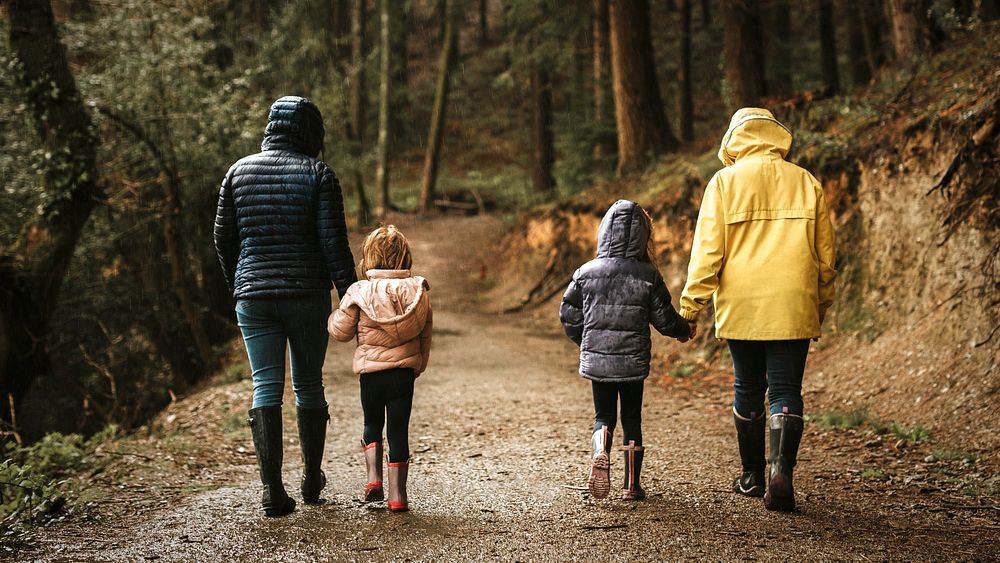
[[499, 434]]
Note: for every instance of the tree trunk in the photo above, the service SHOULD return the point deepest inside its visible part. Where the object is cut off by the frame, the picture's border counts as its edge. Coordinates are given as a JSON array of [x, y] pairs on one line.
[[543, 151], [603, 111], [484, 28], [706, 12], [989, 10], [399, 27], [338, 27], [780, 48], [449, 51], [684, 74], [744, 53], [828, 47], [32, 270], [873, 23], [861, 71], [911, 29], [643, 130], [441, 9], [384, 105], [358, 103]]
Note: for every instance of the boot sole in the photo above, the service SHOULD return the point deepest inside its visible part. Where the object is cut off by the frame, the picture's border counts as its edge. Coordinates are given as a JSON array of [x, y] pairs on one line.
[[780, 495], [311, 491], [599, 482], [633, 496], [282, 510], [374, 495], [756, 491]]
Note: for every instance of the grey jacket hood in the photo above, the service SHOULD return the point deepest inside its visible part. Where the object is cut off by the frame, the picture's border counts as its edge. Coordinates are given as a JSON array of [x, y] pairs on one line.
[[623, 232]]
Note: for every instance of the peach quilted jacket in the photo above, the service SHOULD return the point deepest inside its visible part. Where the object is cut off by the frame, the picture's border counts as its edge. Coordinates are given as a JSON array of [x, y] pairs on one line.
[[390, 315]]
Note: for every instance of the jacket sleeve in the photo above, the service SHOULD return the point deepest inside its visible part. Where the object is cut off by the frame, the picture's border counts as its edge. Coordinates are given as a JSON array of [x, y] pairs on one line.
[[227, 244], [826, 252], [332, 231], [707, 253], [662, 314], [343, 322], [425, 340], [571, 312]]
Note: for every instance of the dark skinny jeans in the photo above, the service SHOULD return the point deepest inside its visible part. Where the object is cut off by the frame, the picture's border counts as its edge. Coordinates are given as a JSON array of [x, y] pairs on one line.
[[606, 397], [774, 367], [387, 398]]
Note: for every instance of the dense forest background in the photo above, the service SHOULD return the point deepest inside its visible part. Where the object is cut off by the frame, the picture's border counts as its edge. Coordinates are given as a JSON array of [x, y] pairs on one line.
[[121, 117]]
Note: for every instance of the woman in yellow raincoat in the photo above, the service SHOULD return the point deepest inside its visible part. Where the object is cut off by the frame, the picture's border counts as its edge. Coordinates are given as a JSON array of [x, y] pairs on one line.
[[763, 251]]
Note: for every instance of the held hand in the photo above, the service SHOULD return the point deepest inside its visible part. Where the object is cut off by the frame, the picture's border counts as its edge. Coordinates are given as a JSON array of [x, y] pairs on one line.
[[694, 331]]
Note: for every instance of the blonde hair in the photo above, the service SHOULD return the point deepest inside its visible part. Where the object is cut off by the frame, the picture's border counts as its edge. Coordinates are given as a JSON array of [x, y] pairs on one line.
[[385, 249], [649, 255]]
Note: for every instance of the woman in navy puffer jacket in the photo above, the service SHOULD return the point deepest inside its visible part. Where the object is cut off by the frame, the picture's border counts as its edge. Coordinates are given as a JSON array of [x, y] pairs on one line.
[[282, 242], [607, 310]]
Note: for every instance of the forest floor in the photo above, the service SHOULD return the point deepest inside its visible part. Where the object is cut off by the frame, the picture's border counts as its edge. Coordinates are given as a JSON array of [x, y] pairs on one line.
[[500, 439]]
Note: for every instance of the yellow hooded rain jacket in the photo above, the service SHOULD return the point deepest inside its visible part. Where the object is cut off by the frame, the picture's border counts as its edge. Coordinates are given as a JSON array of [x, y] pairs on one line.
[[764, 244]]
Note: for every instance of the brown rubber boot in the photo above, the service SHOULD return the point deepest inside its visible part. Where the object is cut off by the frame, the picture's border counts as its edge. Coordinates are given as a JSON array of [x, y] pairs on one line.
[[373, 461], [633, 468], [397, 485], [599, 481]]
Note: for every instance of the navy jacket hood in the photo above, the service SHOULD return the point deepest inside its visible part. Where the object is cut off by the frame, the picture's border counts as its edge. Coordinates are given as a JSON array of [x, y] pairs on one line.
[[294, 123], [623, 232]]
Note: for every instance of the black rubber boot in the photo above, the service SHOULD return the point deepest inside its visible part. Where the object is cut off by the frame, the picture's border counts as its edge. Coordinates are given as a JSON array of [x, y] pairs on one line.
[[786, 434], [750, 436], [312, 438], [631, 490], [265, 424]]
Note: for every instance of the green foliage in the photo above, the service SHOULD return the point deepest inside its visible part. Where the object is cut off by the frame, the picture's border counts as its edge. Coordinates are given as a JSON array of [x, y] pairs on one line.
[[915, 433], [861, 417], [235, 372], [39, 483], [835, 420], [64, 454], [681, 371], [873, 473], [951, 454]]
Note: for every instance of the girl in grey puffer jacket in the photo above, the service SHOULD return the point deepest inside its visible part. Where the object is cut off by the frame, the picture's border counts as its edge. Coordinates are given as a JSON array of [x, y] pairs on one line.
[[607, 310]]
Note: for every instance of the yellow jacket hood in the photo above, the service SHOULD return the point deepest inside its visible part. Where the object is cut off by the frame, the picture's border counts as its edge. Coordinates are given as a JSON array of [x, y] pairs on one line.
[[754, 131]]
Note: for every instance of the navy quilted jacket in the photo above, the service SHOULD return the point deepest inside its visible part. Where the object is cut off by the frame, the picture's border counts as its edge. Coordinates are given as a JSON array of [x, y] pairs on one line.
[[612, 300], [280, 229]]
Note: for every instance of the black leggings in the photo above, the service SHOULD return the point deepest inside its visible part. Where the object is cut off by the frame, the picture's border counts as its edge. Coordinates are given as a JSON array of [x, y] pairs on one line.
[[605, 406], [388, 395]]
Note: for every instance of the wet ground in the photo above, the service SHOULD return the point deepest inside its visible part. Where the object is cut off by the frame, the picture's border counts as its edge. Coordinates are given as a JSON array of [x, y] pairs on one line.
[[500, 435]]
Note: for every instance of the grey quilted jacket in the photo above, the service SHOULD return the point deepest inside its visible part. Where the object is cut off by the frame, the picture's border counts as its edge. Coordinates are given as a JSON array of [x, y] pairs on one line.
[[612, 300]]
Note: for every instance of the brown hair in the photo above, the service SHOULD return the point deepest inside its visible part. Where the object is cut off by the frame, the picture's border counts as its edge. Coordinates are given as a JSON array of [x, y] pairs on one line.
[[385, 249], [649, 254]]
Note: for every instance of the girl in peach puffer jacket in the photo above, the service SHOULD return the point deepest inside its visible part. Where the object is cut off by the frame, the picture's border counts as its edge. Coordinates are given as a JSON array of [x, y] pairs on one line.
[[389, 313]]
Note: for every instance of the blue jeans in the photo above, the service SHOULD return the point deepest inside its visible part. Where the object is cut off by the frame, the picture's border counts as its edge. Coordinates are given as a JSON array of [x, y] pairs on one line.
[[774, 367], [268, 325]]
